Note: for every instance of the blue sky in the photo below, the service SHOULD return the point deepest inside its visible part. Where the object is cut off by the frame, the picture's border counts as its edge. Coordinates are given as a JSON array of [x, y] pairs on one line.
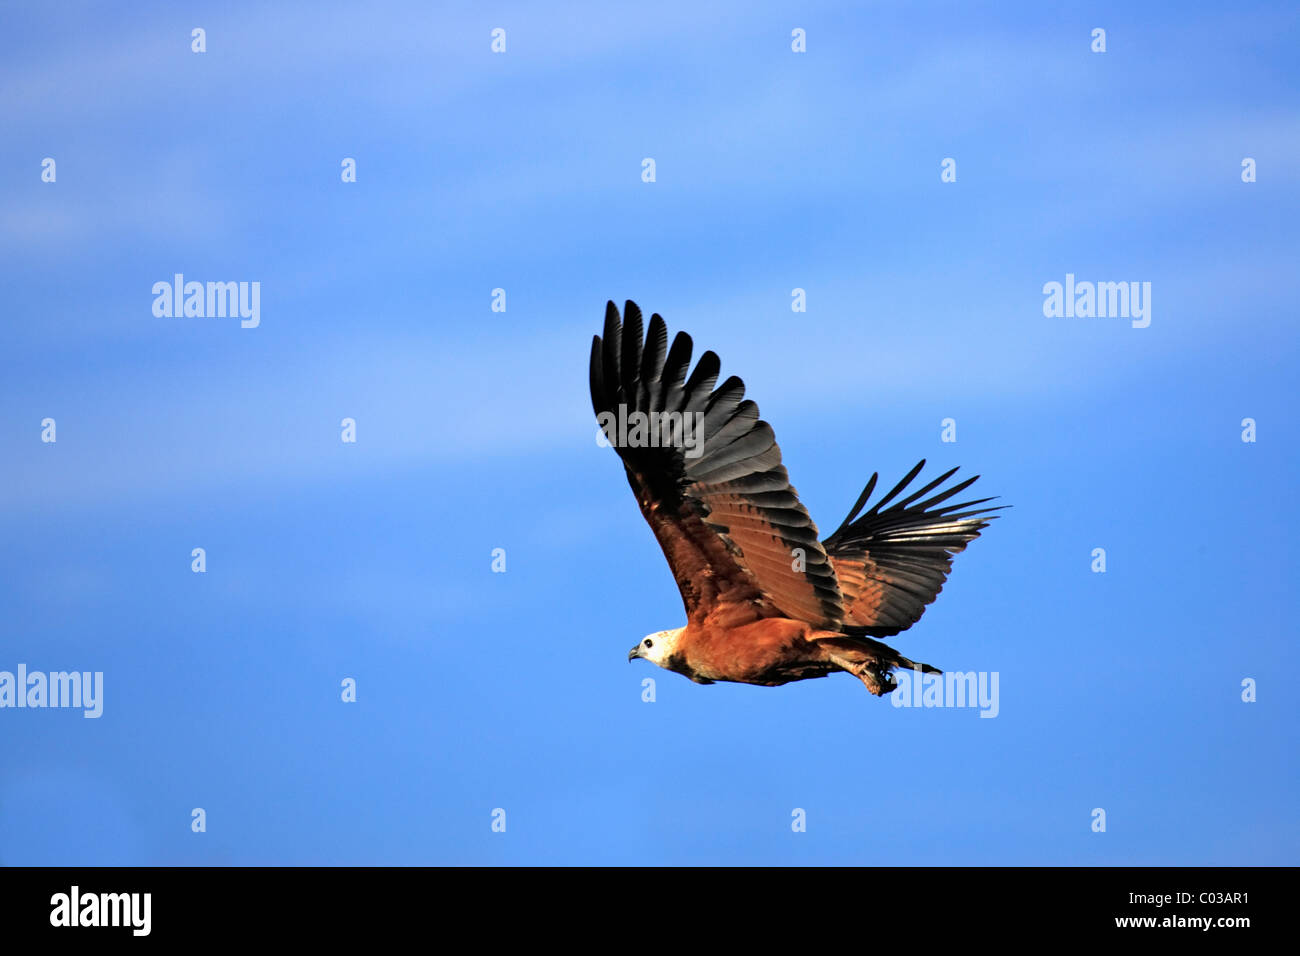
[[522, 171]]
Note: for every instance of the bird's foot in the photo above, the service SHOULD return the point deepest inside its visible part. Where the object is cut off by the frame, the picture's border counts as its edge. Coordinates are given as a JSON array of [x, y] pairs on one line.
[[875, 678]]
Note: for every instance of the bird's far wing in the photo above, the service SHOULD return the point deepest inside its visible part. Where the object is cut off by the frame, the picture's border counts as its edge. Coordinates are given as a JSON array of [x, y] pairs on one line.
[[718, 499], [892, 563]]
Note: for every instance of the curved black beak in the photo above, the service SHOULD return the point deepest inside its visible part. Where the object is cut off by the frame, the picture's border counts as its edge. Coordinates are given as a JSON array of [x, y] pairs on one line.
[[634, 653]]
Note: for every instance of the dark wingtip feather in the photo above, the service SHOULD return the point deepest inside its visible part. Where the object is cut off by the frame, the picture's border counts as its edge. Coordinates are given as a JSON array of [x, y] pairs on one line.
[[898, 487], [857, 505], [925, 489], [610, 354], [656, 348], [630, 355], [597, 385], [705, 374]]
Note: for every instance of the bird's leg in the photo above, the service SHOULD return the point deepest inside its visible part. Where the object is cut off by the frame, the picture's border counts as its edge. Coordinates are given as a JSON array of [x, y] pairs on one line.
[[866, 669]]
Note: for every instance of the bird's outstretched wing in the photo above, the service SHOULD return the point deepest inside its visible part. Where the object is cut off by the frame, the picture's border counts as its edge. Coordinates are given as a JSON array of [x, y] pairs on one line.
[[728, 521], [892, 563]]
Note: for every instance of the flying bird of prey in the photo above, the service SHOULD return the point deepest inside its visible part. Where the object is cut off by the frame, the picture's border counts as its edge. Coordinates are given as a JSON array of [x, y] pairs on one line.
[[766, 601]]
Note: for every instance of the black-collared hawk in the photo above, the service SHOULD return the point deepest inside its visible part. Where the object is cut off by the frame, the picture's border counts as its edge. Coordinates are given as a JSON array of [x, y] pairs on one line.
[[766, 601]]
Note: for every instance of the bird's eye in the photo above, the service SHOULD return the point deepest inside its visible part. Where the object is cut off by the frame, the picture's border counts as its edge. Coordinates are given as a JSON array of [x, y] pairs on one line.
[[649, 643]]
